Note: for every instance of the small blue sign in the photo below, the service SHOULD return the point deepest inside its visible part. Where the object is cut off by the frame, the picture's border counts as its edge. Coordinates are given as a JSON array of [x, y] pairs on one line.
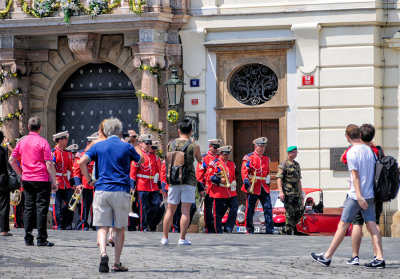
[[194, 83]]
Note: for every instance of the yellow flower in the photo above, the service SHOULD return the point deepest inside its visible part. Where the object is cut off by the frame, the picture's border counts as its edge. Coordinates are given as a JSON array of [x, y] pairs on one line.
[[145, 67], [6, 96], [155, 99], [14, 74], [142, 95], [17, 114], [9, 115], [150, 126]]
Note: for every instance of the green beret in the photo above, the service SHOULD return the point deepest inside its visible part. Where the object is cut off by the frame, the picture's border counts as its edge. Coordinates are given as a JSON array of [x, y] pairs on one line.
[[291, 148]]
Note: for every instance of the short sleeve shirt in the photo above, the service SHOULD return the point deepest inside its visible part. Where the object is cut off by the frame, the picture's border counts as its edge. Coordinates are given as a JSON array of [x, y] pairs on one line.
[[112, 162], [32, 152]]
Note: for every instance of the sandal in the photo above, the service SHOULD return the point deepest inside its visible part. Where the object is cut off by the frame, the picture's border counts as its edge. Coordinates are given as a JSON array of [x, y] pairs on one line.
[[103, 267], [119, 268], [110, 241]]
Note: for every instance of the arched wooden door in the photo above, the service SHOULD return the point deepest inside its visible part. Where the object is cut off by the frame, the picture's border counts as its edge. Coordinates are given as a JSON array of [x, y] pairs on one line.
[[93, 93]]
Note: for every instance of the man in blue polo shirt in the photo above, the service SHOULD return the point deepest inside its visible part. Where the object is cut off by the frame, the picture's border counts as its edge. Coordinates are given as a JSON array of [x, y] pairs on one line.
[[111, 199]]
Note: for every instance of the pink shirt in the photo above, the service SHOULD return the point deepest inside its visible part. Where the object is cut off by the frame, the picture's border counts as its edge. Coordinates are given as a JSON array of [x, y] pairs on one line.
[[32, 152]]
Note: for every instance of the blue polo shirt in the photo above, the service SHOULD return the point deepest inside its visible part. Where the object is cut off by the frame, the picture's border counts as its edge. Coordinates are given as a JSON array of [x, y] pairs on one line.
[[113, 158]]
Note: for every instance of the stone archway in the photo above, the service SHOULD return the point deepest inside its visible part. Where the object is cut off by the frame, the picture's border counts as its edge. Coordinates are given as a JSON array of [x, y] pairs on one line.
[[48, 77]]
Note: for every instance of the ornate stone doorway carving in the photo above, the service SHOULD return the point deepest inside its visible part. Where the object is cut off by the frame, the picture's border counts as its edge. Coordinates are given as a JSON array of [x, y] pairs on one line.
[[92, 93]]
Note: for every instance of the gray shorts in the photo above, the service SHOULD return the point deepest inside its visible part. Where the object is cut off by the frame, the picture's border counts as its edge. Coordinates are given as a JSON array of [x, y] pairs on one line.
[[181, 193], [111, 209], [351, 208]]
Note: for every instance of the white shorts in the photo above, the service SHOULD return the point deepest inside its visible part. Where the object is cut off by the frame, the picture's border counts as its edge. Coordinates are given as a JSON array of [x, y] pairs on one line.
[[181, 193], [111, 209]]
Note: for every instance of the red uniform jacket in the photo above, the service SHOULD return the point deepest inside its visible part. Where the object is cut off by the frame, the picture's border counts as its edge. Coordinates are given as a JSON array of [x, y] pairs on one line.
[[78, 176], [143, 175], [63, 163], [201, 170], [217, 191], [163, 177], [255, 164]]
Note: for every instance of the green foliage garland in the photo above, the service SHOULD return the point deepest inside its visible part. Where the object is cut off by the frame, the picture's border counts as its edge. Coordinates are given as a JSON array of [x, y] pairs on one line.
[[17, 114], [160, 154], [138, 7], [172, 116], [41, 8], [155, 71], [152, 127], [4, 74], [15, 92], [4, 13], [155, 100], [99, 7]]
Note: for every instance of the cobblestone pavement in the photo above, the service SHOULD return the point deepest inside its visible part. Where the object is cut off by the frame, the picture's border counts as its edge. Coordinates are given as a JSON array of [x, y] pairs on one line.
[[75, 255]]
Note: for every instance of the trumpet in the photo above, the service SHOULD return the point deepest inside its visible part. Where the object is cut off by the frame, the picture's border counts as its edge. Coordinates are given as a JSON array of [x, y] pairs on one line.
[[15, 197], [76, 197], [224, 174], [253, 181]]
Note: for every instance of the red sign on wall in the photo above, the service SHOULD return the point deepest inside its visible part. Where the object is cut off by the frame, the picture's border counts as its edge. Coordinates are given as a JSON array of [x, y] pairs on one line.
[[308, 80], [195, 101]]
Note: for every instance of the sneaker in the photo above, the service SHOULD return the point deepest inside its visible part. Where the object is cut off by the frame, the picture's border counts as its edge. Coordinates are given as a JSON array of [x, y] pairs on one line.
[[321, 259], [184, 242], [164, 241], [103, 267], [375, 264], [354, 261]]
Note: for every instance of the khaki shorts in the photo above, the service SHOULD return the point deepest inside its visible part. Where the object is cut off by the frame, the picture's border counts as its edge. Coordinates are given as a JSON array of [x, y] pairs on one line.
[[111, 209]]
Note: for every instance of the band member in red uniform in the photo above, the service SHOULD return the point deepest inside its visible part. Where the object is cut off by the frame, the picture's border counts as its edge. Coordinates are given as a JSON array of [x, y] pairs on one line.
[[88, 190], [73, 149], [221, 173], [144, 178], [256, 181], [62, 217], [204, 185]]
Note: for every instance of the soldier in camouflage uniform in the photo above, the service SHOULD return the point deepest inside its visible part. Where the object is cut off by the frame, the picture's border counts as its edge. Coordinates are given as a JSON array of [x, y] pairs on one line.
[[290, 189]]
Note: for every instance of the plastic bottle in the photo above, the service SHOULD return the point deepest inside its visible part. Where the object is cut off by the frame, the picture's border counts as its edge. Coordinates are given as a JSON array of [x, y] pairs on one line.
[[52, 198]]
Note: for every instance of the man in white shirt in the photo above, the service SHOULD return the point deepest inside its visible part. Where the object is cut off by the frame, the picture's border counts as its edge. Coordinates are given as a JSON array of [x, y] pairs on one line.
[[361, 163]]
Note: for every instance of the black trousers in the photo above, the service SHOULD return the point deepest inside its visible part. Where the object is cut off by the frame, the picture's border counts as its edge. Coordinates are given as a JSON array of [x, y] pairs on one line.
[[4, 211], [208, 214], [221, 205], [37, 195]]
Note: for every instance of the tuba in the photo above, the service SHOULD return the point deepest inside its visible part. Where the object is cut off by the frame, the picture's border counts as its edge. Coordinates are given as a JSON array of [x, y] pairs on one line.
[[76, 197], [253, 181], [15, 197], [224, 174]]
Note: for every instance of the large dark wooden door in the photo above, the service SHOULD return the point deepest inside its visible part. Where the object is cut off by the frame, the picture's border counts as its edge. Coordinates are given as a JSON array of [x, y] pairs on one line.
[[245, 131], [93, 93]]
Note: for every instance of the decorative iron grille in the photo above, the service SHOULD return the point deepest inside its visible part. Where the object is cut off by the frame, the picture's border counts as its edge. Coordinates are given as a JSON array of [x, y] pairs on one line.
[[253, 84]]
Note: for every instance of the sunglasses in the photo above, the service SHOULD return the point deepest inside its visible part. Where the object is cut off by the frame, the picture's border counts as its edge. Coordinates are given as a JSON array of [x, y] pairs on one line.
[[215, 146], [147, 143], [226, 153]]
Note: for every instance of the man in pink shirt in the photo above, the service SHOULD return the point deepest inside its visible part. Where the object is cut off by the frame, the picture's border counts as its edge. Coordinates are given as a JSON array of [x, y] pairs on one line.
[[38, 179]]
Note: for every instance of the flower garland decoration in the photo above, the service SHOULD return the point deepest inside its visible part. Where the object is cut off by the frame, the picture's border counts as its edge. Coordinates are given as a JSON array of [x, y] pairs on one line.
[[4, 74], [98, 7], [152, 127], [12, 143], [155, 100], [138, 7], [155, 71], [41, 8], [4, 13], [17, 114], [68, 7], [15, 92], [160, 154], [172, 116]]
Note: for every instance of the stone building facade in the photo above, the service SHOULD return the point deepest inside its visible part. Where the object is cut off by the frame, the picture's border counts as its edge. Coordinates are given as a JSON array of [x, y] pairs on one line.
[[336, 63]]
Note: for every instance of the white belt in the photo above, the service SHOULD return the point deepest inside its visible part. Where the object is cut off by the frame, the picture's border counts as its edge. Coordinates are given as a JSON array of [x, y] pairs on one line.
[[145, 176], [61, 174]]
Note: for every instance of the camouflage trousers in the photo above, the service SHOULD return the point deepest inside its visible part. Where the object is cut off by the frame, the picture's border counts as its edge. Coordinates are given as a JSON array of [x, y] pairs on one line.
[[294, 211]]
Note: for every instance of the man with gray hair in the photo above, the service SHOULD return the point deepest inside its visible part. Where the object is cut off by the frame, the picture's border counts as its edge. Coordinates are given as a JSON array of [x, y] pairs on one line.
[[111, 199]]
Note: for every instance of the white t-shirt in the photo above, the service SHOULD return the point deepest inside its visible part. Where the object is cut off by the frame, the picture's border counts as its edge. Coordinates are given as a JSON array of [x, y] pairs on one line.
[[362, 158]]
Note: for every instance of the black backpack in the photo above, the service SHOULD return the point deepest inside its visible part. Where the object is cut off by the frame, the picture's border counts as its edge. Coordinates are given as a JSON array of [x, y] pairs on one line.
[[386, 182], [175, 164]]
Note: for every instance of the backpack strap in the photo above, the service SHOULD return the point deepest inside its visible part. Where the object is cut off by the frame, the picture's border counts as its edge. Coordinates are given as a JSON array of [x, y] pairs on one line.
[[380, 152], [186, 145]]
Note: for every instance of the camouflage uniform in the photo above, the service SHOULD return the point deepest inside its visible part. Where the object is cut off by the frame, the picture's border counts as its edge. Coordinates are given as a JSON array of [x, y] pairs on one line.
[[290, 174]]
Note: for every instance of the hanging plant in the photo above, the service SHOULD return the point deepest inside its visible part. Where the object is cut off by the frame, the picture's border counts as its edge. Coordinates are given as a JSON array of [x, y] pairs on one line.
[[41, 8], [137, 6], [15, 92], [4, 74], [68, 7], [4, 13], [155, 100], [155, 71], [150, 126], [172, 116], [17, 114], [98, 7]]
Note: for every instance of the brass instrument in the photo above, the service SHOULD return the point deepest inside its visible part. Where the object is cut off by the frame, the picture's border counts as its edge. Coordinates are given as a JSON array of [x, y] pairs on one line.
[[132, 200], [76, 197], [253, 181], [15, 197]]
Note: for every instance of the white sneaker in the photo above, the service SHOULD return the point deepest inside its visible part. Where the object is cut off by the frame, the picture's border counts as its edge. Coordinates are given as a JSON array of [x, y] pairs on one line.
[[184, 242], [164, 241]]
